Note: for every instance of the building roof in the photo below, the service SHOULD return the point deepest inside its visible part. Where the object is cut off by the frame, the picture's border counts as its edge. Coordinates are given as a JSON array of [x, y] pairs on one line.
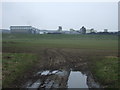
[[21, 27]]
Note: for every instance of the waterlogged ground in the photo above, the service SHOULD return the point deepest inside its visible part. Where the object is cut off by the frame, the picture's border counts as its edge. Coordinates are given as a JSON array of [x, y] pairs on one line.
[[56, 72], [62, 79]]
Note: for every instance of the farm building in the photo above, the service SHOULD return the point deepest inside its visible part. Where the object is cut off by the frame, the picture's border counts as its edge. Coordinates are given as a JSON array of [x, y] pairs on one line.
[[24, 29]]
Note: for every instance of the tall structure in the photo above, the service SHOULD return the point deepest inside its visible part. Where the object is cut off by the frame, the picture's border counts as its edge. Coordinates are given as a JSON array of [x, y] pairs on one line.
[[60, 28], [83, 30], [24, 29]]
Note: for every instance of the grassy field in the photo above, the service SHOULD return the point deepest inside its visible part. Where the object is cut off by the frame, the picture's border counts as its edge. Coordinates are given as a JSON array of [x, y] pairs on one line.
[[15, 64], [106, 70], [62, 41], [25, 46]]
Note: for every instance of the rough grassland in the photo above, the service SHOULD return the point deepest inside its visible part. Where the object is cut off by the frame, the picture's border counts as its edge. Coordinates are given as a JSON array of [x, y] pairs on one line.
[[62, 41], [95, 48], [15, 65], [105, 69]]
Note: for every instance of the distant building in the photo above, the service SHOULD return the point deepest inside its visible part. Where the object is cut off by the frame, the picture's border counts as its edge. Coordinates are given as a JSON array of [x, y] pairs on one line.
[[91, 31], [60, 28], [50, 32], [54, 32], [74, 32], [105, 30], [5, 31], [83, 30], [43, 32], [71, 29], [24, 29], [66, 32]]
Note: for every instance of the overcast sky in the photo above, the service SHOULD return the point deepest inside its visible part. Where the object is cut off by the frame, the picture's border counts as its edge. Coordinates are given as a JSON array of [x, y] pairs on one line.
[[97, 15]]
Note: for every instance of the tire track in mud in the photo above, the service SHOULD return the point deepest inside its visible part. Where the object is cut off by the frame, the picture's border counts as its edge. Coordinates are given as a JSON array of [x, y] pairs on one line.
[[58, 57], [52, 58], [55, 59], [73, 60]]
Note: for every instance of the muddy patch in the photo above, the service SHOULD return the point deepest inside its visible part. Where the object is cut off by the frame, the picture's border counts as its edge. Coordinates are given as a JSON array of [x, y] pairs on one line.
[[65, 78], [60, 69]]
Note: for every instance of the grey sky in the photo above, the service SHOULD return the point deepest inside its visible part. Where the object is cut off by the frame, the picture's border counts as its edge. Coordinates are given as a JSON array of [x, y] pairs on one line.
[[97, 15]]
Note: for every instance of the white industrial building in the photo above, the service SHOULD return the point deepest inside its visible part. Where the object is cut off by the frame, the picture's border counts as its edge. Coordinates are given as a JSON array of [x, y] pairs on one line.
[[24, 29]]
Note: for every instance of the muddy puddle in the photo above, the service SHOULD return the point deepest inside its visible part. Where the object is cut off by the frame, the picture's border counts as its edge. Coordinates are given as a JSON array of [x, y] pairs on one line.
[[64, 78], [77, 80]]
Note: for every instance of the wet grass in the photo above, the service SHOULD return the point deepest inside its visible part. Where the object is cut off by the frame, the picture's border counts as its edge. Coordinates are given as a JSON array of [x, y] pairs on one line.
[[105, 70], [15, 65]]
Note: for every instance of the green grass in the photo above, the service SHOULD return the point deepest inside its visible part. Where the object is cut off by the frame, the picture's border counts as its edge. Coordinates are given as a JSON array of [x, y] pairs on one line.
[[58, 36], [106, 71], [15, 65], [61, 41]]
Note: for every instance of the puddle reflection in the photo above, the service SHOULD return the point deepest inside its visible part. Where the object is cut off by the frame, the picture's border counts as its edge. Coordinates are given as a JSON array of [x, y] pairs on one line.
[[77, 80]]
